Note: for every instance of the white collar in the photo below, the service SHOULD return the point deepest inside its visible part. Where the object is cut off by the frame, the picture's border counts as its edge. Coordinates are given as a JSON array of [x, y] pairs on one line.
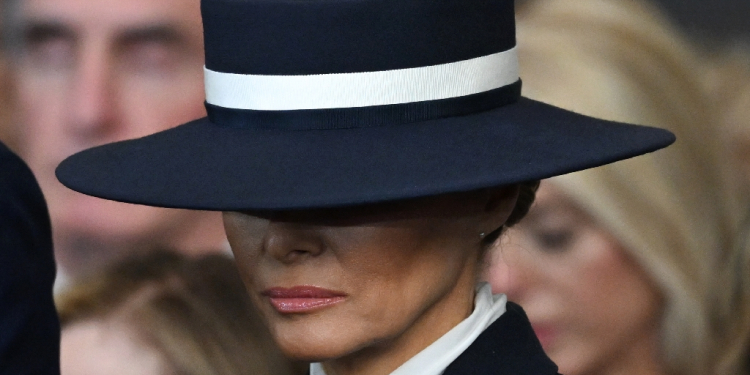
[[435, 358]]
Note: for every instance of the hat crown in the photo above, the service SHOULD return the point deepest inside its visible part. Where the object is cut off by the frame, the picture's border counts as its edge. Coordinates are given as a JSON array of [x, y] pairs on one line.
[[304, 37]]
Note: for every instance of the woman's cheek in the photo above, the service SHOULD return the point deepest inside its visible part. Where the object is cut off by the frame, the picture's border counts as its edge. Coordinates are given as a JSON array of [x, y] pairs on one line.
[[245, 233]]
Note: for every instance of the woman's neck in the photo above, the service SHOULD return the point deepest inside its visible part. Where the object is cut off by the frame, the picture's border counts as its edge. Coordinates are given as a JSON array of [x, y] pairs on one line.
[[384, 357]]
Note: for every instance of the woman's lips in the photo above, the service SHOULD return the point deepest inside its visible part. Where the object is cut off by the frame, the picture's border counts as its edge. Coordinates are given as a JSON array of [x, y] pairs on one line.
[[302, 299]]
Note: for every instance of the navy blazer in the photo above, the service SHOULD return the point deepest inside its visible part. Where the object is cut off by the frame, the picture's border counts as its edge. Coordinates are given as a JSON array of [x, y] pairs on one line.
[[507, 347], [29, 327]]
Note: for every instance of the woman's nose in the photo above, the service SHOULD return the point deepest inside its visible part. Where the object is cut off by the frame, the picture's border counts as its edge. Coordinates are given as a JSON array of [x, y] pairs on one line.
[[291, 243]]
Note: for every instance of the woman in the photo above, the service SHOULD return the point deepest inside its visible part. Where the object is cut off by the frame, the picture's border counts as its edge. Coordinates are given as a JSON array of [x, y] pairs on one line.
[[617, 266], [365, 154], [163, 313]]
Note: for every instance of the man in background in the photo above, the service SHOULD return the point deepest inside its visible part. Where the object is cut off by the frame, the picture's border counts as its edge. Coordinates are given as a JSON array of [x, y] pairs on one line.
[[90, 72]]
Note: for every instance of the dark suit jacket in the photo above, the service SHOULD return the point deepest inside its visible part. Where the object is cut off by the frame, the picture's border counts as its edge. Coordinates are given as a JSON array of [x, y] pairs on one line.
[[29, 328], [507, 347]]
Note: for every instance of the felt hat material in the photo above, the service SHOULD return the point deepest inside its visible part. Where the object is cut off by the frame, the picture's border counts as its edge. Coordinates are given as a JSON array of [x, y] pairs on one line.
[[342, 102]]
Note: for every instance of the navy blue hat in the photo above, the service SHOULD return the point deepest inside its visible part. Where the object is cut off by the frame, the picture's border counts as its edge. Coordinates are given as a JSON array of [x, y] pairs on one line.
[[339, 102]]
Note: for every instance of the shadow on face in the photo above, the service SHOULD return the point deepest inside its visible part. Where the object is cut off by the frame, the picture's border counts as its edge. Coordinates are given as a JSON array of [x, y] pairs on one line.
[[339, 283]]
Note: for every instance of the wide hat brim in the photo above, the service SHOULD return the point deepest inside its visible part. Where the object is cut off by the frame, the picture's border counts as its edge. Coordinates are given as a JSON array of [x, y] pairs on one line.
[[201, 165]]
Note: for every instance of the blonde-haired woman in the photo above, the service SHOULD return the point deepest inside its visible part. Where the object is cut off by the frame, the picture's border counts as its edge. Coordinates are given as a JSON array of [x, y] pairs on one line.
[[616, 266], [164, 313]]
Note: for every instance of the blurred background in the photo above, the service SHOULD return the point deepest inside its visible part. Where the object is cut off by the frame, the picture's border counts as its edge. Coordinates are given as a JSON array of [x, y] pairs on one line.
[[712, 23], [724, 20]]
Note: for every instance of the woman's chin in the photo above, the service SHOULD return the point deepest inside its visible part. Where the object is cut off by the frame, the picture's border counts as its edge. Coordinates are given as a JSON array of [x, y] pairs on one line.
[[318, 343], [312, 350]]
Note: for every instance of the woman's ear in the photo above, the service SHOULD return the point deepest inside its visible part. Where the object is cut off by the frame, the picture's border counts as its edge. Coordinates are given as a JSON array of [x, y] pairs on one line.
[[499, 205]]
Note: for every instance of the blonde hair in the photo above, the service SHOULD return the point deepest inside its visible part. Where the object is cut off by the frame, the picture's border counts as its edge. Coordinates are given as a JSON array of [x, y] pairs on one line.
[[195, 312], [730, 85], [677, 210]]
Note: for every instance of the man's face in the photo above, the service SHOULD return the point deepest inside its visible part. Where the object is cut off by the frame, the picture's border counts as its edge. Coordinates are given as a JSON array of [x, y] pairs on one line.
[[97, 71]]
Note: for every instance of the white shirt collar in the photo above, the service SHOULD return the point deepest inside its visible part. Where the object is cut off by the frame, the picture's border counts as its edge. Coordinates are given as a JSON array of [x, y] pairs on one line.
[[434, 359]]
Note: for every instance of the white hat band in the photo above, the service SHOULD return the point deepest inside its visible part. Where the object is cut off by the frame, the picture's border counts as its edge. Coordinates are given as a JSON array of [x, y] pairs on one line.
[[350, 90]]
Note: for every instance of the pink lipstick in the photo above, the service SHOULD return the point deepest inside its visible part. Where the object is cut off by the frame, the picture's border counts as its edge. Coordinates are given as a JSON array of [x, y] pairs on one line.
[[302, 299]]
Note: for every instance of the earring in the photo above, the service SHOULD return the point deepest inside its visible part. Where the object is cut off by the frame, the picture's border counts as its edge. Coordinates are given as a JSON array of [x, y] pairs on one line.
[[481, 235]]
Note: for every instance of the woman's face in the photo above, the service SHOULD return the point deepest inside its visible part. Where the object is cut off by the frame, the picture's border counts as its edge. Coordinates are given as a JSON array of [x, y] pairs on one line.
[[356, 282], [590, 304]]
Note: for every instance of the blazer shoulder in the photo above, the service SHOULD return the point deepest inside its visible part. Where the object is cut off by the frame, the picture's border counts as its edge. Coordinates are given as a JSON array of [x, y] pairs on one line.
[[29, 327]]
